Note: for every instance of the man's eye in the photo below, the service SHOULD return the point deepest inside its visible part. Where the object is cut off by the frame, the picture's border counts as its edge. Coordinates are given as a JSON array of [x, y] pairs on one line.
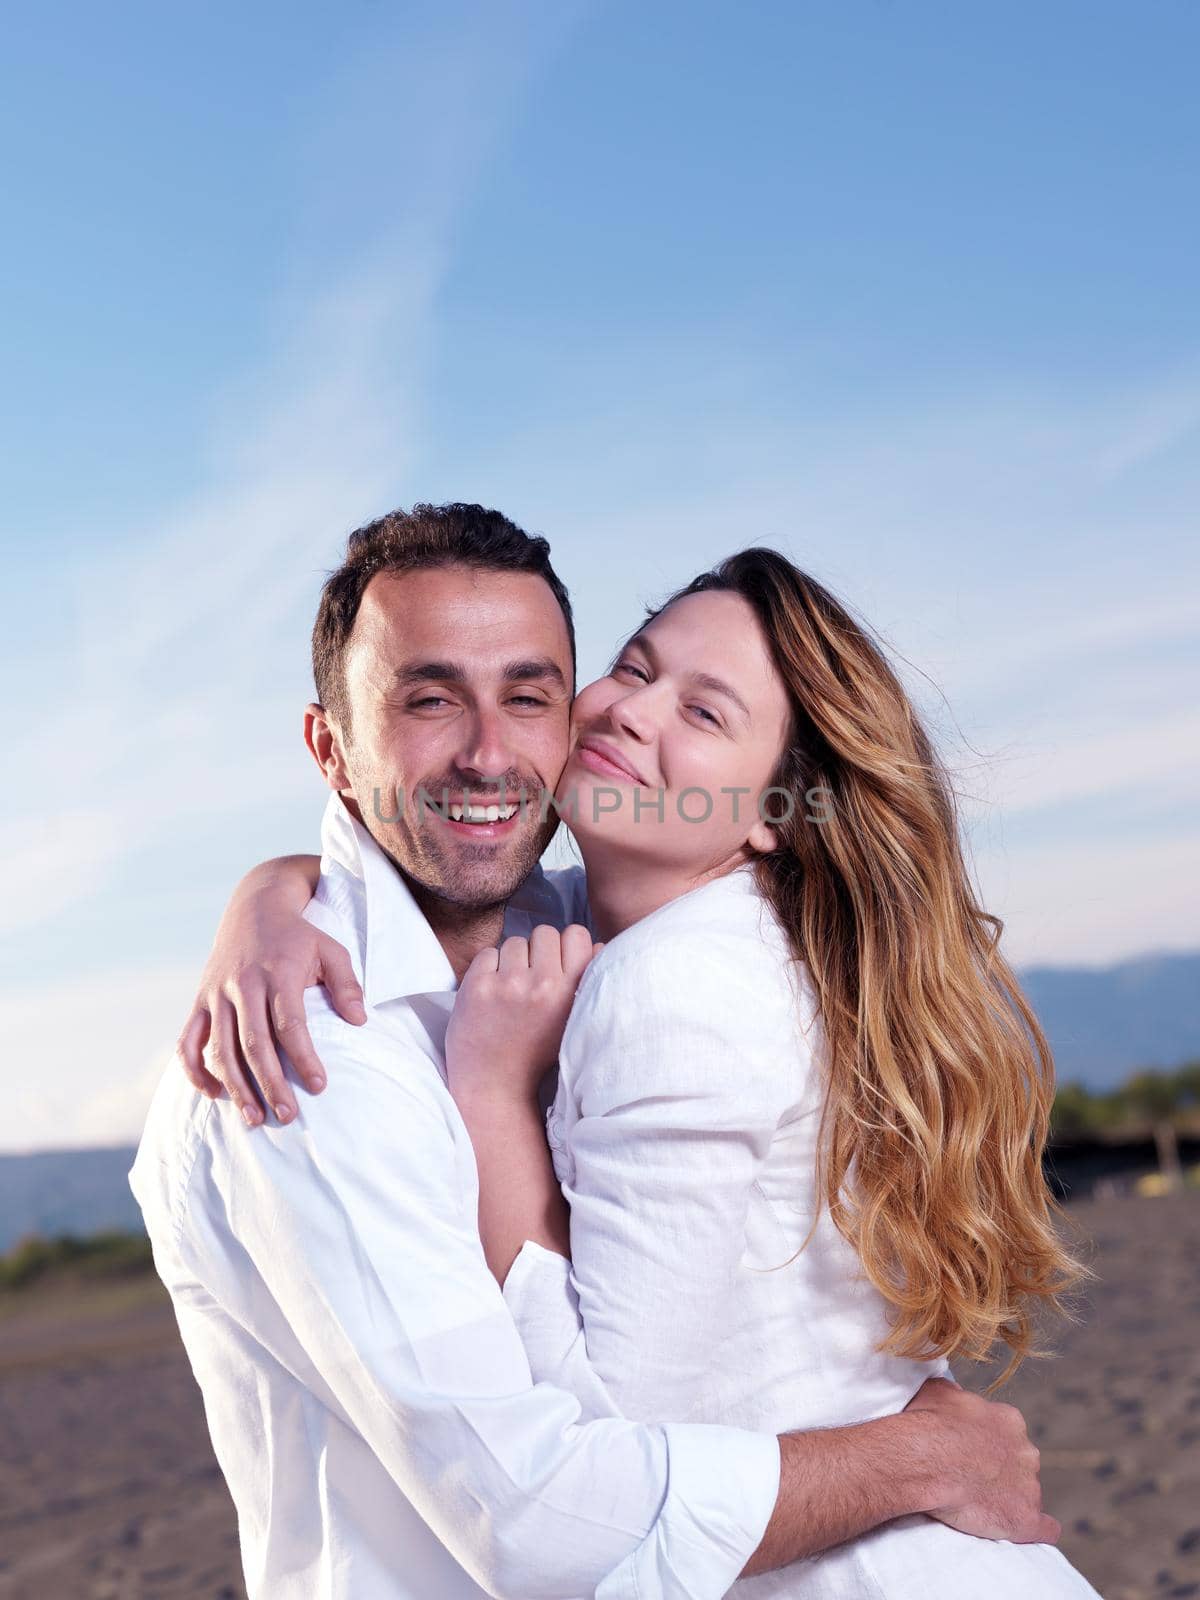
[[428, 700], [526, 700]]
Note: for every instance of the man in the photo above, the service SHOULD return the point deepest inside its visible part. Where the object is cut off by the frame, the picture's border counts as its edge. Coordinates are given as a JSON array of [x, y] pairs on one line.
[[370, 1399]]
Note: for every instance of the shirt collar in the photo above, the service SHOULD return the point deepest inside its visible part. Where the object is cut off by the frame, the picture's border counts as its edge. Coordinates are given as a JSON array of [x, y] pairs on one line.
[[400, 951]]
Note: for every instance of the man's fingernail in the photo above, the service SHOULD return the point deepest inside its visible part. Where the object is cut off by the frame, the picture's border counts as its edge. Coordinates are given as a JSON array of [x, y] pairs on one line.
[[284, 1113], [316, 1083], [359, 1009], [250, 1116]]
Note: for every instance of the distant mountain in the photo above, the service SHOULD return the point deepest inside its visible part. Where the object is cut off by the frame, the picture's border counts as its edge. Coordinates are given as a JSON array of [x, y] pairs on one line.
[[66, 1191], [1105, 1022], [1102, 1022]]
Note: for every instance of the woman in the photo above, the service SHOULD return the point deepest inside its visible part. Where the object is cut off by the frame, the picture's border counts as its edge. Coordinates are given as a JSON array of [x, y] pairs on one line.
[[802, 1101]]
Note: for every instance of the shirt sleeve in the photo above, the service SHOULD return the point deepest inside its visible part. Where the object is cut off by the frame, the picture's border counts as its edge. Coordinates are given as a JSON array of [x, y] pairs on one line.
[[360, 1219], [675, 1116]]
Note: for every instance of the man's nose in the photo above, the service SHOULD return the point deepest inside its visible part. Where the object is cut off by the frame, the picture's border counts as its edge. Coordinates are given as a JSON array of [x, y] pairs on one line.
[[486, 752]]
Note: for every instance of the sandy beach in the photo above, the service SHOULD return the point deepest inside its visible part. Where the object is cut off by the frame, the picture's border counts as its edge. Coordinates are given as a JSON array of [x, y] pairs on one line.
[[109, 1490]]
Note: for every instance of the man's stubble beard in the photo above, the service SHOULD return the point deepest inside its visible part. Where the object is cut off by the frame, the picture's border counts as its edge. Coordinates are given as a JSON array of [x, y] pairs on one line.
[[459, 876], [474, 875]]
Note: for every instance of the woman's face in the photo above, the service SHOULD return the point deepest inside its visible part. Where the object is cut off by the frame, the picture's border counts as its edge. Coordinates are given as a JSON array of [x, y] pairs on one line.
[[672, 751]]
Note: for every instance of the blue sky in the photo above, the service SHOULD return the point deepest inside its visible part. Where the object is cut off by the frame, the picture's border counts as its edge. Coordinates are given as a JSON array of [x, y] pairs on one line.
[[905, 289]]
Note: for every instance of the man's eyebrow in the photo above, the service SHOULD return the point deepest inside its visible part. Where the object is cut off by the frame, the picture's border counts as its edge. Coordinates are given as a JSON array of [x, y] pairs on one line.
[[703, 680], [537, 669], [430, 672]]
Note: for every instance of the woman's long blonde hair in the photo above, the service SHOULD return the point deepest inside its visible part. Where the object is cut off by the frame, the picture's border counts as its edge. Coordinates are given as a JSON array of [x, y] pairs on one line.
[[940, 1080]]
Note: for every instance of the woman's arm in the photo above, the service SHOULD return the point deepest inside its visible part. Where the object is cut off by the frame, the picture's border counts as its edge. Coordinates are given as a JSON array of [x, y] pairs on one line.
[[503, 1037], [251, 995], [519, 1196]]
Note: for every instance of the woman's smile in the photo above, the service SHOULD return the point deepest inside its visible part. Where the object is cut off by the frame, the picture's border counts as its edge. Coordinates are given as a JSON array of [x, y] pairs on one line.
[[607, 762]]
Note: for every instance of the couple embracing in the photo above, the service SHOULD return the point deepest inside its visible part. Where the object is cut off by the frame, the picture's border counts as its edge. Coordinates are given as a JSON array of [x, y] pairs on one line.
[[690, 1331]]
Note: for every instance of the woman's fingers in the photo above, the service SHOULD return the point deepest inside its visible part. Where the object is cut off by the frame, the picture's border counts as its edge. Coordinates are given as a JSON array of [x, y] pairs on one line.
[[291, 1032], [546, 949], [224, 1060], [514, 954], [576, 950], [258, 1052], [190, 1050], [486, 960], [336, 972]]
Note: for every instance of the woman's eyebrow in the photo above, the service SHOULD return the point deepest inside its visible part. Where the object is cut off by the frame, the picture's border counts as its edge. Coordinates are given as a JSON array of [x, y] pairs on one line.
[[703, 680]]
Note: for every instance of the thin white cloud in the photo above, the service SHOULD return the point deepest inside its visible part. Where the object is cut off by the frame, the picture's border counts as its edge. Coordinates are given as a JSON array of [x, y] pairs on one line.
[[187, 659], [82, 1055], [1139, 765], [1155, 424], [1080, 902]]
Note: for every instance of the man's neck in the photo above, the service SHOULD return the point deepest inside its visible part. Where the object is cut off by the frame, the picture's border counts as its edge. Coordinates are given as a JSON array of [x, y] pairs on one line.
[[462, 931]]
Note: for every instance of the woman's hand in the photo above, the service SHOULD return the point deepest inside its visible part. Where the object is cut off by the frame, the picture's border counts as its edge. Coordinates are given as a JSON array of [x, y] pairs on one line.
[[504, 1035], [512, 1006], [251, 995]]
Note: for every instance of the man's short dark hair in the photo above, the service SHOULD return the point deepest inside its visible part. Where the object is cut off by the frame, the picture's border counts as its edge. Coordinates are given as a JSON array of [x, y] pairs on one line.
[[404, 541]]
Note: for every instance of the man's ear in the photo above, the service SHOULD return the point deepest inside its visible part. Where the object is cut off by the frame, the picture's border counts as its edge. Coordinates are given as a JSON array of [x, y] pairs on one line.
[[324, 740]]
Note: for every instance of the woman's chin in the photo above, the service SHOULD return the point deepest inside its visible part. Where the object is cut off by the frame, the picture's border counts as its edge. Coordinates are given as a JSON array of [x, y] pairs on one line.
[[598, 825]]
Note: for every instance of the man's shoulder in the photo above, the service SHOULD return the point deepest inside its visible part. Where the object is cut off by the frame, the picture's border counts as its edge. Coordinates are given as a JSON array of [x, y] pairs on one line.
[[172, 1137], [336, 908], [383, 1112]]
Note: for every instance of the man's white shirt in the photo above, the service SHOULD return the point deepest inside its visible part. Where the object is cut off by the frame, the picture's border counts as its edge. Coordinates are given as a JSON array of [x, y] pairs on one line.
[[368, 1395]]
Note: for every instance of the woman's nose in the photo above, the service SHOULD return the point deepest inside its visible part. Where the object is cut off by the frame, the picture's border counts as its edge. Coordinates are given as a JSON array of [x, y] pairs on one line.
[[634, 713]]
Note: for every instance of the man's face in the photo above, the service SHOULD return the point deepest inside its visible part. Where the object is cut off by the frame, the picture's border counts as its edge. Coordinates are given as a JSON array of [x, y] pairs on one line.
[[458, 682]]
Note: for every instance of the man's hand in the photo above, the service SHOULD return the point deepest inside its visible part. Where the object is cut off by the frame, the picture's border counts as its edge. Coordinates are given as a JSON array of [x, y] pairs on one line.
[[965, 1461], [986, 1466]]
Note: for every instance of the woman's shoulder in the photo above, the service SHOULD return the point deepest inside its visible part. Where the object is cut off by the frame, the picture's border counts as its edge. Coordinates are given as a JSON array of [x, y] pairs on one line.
[[699, 1000], [730, 908], [718, 948]]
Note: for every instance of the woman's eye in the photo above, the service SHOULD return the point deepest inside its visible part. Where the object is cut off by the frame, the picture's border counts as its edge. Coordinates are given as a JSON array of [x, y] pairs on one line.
[[628, 666], [707, 715]]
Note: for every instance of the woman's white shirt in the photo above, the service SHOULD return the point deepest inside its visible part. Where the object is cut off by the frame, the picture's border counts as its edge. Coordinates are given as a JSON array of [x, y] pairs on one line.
[[684, 1133]]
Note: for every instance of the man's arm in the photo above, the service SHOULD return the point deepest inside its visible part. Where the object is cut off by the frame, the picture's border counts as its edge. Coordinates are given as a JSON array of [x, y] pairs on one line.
[[967, 1461], [359, 1220]]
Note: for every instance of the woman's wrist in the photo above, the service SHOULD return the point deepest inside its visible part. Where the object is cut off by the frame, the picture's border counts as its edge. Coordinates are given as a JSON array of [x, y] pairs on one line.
[[519, 1197], [488, 1098]]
